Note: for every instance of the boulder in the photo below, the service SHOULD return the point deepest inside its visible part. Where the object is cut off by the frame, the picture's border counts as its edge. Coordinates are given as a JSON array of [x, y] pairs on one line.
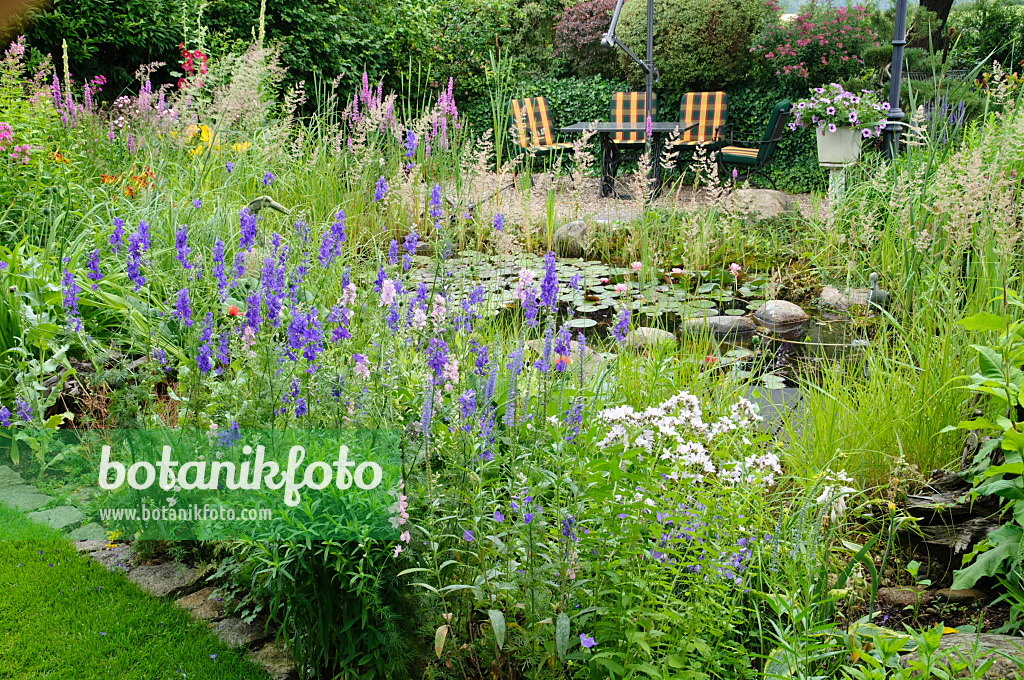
[[759, 204], [844, 300], [965, 596], [988, 645], [275, 661], [721, 326], [572, 239], [201, 606], [64, 517], [163, 580], [904, 596], [645, 337], [23, 497], [238, 633], [780, 316]]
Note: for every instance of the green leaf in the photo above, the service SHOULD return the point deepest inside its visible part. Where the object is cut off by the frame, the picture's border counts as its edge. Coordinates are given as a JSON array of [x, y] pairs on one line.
[[55, 421], [562, 635], [498, 625], [989, 362], [984, 321], [1004, 541]]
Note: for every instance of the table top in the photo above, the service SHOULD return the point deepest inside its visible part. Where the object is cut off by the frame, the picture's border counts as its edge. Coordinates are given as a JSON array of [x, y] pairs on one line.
[[656, 128]]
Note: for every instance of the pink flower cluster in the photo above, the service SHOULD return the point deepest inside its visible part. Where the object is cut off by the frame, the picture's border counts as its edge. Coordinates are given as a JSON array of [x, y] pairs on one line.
[[20, 154], [821, 43]]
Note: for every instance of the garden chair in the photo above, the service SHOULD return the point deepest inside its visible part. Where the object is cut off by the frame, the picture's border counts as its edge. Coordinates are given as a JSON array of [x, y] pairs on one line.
[[531, 130], [702, 116], [531, 127], [626, 107], [750, 158]]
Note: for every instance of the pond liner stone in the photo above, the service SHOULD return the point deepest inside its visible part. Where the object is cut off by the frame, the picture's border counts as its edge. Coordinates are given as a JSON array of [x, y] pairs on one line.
[[721, 327], [781, 317], [572, 239], [644, 337]]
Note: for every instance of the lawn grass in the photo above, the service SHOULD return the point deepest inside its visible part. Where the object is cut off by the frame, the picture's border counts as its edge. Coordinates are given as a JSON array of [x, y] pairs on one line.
[[64, 617]]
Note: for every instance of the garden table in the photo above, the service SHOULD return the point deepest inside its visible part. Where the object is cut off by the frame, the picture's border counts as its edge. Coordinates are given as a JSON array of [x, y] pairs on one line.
[[610, 151]]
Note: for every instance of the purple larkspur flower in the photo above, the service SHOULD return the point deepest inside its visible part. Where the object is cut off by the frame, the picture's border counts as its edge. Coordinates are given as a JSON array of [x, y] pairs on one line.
[[117, 236], [467, 406], [410, 143], [218, 267], [23, 409], [437, 358], [380, 189], [229, 166], [499, 222], [182, 308], [268, 178], [93, 263], [246, 229], [622, 326], [70, 301], [203, 360], [252, 313], [5, 416], [549, 286], [434, 204], [181, 247], [196, 203], [207, 333], [393, 253]]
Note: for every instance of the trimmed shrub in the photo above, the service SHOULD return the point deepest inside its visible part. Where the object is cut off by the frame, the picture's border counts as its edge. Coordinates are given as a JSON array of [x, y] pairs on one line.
[[698, 44]]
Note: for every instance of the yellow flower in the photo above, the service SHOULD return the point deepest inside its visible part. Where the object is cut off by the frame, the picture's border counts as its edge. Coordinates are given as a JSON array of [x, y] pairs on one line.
[[239, 147]]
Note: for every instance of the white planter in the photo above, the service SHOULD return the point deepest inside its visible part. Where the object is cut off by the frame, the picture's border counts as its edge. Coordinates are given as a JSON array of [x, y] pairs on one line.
[[839, 148]]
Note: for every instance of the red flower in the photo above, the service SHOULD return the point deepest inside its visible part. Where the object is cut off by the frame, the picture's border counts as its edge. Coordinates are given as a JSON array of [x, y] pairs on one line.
[[233, 311]]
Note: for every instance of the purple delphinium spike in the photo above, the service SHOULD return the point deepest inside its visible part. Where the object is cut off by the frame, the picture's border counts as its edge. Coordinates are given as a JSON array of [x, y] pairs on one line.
[[71, 291], [380, 190], [247, 229], [181, 246], [93, 262], [622, 327], [182, 310], [23, 409], [218, 267], [549, 286], [117, 236]]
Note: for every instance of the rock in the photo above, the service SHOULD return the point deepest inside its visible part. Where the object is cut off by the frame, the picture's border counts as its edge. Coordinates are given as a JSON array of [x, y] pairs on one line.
[[117, 558], [904, 596], [91, 532], [989, 645], [64, 517], [238, 633], [88, 546], [201, 606], [275, 661], [167, 579], [844, 300], [780, 316], [721, 326], [759, 204], [572, 239], [23, 497], [645, 337], [965, 596], [9, 477]]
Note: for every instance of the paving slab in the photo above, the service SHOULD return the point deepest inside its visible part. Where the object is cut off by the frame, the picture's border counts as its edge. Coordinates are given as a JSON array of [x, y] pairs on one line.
[[64, 517], [23, 497], [90, 532], [9, 477]]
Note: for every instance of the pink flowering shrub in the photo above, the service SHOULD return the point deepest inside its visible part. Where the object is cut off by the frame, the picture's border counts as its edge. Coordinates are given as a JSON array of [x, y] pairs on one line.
[[822, 44]]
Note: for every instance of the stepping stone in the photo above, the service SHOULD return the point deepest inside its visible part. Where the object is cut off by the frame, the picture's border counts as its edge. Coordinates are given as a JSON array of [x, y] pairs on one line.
[[988, 644], [23, 497], [164, 580], [644, 337], [118, 558], [275, 661], [9, 477], [91, 533], [88, 546], [64, 517], [201, 606], [238, 633], [904, 596], [965, 596]]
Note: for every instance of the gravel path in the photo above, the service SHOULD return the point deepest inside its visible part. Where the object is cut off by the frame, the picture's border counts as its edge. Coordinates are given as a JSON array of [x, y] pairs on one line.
[[578, 199]]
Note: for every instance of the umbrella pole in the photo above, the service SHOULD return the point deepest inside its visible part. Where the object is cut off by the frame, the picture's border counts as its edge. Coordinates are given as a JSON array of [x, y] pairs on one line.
[[649, 78]]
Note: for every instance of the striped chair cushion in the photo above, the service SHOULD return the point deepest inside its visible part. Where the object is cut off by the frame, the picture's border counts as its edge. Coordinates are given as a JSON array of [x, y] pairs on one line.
[[709, 110], [531, 124], [630, 107], [739, 154]]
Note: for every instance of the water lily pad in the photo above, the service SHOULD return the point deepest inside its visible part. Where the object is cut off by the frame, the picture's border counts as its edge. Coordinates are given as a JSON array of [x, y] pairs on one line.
[[772, 381], [581, 323], [735, 312]]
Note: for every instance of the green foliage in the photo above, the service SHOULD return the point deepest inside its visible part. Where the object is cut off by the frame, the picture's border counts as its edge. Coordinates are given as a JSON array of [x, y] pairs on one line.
[[989, 27], [698, 44], [106, 37]]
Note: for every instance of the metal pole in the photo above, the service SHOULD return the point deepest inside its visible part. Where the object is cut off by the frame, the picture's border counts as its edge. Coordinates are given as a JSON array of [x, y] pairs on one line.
[[650, 61], [891, 134]]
